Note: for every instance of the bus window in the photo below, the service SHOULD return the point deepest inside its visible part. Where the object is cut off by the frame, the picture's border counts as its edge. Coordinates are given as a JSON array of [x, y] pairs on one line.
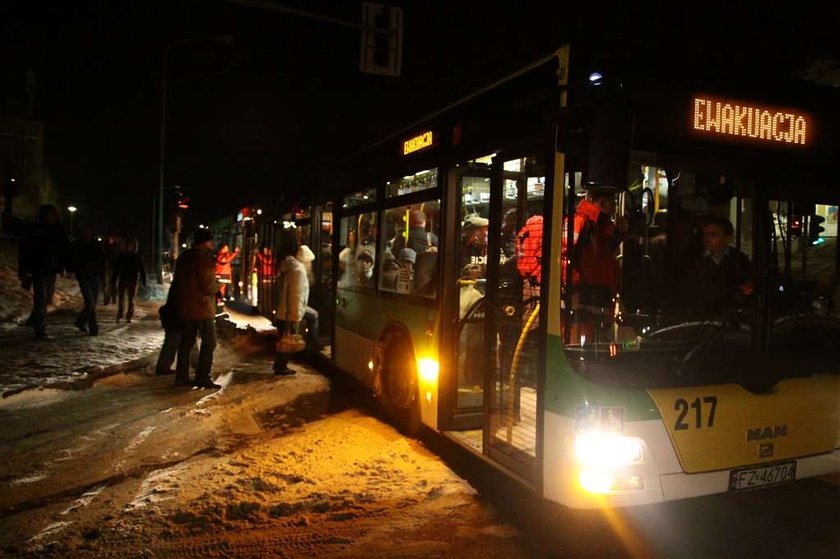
[[471, 254], [357, 256], [421, 180], [360, 198], [665, 264], [804, 285], [409, 249]]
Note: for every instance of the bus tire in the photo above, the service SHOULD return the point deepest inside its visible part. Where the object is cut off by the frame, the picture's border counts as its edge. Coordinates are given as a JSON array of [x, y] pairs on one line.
[[397, 381]]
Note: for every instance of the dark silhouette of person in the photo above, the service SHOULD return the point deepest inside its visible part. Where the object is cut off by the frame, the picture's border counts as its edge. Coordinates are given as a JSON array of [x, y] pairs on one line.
[[194, 287], [129, 269], [109, 278], [87, 262], [42, 254]]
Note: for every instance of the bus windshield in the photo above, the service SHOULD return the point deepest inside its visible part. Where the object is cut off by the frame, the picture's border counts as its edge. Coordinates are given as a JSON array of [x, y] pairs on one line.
[[685, 278]]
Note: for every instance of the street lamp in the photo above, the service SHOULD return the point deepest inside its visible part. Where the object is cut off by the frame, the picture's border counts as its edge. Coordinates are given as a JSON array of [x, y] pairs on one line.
[[223, 39], [72, 210]]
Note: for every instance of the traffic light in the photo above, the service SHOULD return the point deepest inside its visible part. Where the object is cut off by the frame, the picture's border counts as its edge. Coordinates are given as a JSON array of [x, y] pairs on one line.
[[795, 225], [182, 202], [381, 51], [815, 229]]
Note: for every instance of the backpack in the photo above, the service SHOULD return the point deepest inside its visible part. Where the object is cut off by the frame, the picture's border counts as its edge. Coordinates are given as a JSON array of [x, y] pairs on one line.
[[529, 249]]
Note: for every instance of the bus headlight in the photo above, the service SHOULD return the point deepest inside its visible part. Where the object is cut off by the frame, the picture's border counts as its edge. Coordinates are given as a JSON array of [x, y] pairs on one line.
[[428, 370], [602, 457], [607, 450]]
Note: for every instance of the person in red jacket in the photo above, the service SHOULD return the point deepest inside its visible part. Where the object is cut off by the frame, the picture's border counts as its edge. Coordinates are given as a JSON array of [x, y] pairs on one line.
[[265, 264], [592, 255], [223, 271]]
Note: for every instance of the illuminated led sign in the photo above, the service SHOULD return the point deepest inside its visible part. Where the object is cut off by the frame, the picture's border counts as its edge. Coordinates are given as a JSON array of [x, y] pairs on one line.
[[416, 143], [747, 120]]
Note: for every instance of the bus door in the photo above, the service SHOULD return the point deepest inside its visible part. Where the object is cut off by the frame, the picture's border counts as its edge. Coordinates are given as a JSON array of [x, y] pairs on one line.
[[471, 351], [323, 294], [514, 319]]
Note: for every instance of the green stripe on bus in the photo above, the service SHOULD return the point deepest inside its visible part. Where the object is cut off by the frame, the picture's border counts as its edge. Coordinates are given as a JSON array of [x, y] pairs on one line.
[[565, 390]]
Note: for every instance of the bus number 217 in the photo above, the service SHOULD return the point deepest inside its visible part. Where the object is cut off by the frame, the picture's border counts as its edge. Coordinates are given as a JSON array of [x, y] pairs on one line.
[[707, 404]]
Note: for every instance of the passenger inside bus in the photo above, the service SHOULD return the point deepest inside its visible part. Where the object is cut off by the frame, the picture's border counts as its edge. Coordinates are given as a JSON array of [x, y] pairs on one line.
[[726, 272], [475, 242], [405, 275], [471, 343], [364, 266], [593, 251]]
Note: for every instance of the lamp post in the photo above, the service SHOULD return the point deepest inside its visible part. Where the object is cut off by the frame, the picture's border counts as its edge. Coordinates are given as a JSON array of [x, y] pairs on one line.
[[224, 39], [72, 210]]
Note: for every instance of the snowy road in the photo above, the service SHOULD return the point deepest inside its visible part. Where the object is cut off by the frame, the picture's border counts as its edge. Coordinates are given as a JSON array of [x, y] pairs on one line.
[[133, 467]]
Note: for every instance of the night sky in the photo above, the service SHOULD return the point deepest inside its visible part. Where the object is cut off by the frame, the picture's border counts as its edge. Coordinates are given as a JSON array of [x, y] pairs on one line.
[[247, 121]]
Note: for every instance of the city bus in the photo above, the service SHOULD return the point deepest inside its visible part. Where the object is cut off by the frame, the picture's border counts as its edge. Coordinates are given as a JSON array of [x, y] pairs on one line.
[[683, 340]]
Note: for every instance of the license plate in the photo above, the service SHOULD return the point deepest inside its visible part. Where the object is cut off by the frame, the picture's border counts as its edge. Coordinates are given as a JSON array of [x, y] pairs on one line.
[[749, 478]]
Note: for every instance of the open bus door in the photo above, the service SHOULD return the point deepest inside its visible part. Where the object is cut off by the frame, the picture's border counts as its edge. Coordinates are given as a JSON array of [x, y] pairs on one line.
[[497, 339]]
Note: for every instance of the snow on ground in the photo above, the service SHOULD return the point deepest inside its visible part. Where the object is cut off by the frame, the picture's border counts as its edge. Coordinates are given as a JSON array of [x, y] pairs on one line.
[[68, 356], [131, 466]]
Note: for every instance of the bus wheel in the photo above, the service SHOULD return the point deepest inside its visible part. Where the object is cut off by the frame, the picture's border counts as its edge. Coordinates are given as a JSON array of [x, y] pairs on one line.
[[398, 382]]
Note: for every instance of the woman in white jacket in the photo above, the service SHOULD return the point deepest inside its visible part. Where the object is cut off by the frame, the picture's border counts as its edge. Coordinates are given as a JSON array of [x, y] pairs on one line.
[[293, 282]]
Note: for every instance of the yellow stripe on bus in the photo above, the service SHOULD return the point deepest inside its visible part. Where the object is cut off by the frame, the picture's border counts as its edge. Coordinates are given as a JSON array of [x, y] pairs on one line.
[[725, 426]]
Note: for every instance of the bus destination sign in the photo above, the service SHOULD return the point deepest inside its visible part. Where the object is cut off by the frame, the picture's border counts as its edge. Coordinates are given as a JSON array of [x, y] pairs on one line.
[[725, 117], [418, 142]]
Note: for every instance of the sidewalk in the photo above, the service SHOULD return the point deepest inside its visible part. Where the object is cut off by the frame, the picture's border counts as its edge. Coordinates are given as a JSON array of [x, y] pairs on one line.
[[70, 357]]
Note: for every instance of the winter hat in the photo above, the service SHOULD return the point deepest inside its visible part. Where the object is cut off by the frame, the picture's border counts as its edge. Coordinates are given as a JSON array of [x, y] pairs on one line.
[[202, 236], [474, 220], [408, 254], [366, 251], [305, 254]]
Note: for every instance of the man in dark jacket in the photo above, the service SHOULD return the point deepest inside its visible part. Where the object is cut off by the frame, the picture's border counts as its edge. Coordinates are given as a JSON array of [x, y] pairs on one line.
[[87, 262], [42, 255], [195, 289]]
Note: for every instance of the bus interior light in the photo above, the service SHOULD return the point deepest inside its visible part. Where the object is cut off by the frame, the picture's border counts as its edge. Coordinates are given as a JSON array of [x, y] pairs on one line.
[[596, 78]]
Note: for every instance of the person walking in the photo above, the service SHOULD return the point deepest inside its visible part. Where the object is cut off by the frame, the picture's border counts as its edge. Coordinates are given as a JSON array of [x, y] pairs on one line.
[[291, 304], [129, 269], [195, 287], [109, 278], [87, 262], [42, 254]]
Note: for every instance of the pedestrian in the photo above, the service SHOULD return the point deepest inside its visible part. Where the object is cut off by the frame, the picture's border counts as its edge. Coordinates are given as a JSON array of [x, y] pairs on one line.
[[129, 269], [42, 254], [223, 268], [109, 278], [172, 333], [87, 262], [293, 289], [265, 264], [195, 287]]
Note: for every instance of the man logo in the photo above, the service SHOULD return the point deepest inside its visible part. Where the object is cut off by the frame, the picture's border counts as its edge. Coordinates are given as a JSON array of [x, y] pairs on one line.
[[765, 450], [766, 433]]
